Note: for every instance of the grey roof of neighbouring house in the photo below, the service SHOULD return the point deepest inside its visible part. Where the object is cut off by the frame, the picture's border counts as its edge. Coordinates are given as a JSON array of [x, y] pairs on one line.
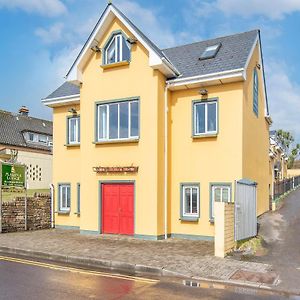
[[12, 127], [232, 55]]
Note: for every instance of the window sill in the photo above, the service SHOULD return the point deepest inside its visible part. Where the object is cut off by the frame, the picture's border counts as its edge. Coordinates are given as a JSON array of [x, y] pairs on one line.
[[60, 212], [189, 219], [72, 145], [205, 135], [117, 141], [118, 64]]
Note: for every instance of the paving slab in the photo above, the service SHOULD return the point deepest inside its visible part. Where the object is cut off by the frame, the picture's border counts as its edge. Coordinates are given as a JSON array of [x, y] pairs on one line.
[[172, 257]]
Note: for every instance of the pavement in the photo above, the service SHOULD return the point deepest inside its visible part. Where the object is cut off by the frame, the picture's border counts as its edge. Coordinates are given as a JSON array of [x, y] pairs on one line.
[[172, 257], [281, 233], [32, 279]]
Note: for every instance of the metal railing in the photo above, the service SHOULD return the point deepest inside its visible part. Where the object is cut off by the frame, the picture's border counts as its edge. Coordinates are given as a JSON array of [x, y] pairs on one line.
[[286, 185]]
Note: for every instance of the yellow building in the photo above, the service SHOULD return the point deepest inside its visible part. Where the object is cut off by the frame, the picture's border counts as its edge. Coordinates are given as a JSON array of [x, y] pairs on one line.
[[145, 140]]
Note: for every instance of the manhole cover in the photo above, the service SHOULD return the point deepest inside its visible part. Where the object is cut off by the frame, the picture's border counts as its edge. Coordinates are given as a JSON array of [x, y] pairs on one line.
[[257, 277]]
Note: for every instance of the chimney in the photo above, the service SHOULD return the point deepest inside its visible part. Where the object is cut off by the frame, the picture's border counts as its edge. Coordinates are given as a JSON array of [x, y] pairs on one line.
[[24, 111]]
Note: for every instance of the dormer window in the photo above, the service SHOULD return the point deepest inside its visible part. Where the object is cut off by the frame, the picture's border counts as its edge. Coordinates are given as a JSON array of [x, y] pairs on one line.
[[116, 50], [210, 51]]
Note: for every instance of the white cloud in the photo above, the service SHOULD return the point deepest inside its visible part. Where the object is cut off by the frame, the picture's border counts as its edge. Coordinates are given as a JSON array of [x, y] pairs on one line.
[[148, 21], [52, 34], [284, 98], [43, 7], [275, 9]]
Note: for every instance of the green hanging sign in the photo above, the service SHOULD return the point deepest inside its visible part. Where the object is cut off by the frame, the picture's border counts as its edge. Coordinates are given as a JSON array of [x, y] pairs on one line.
[[13, 175]]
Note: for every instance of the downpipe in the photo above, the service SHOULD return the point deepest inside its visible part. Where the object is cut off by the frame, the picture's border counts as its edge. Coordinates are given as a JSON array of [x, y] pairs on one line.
[[52, 204]]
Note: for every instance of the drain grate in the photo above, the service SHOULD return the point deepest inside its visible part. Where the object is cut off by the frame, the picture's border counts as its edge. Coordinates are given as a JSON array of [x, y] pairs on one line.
[[257, 277]]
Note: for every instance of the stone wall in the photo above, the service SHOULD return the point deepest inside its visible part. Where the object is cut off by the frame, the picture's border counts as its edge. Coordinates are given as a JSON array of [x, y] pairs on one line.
[[38, 214]]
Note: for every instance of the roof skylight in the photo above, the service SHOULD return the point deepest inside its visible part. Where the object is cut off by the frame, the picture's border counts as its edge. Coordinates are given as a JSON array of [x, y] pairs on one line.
[[210, 51]]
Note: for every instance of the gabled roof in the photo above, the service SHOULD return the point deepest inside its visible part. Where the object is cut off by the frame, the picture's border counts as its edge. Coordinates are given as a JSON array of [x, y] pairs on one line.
[[233, 55], [12, 127], [181, 64]]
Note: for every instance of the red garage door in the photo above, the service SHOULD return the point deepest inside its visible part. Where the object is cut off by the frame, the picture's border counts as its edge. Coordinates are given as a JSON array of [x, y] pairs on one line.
[[118, 208]]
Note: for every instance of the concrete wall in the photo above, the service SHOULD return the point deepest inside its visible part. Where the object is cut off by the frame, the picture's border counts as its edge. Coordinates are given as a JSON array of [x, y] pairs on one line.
[[224, 228], [39, 169]]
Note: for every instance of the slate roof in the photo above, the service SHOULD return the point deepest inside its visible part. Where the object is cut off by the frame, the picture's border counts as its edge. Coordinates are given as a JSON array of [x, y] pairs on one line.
[[66, 89], [233, 54], [13, 125]]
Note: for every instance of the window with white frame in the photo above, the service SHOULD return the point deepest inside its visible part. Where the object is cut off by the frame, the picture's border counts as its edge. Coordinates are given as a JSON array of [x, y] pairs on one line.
[[64, 197], [74, 130], [190, 201], [118, 120], [117, 50], [219, 193], [205, 117]]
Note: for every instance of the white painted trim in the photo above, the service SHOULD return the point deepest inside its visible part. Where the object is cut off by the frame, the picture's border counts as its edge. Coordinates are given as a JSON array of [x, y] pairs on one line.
[[207, 78], [61, 101], [62, 98], [250, 55]]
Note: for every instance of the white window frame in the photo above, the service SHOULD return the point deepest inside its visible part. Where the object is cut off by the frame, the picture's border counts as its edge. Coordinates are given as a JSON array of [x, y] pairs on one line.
[[67, 187], [191, 187], [77, 130], [206, 131], [107, 105], [220, 186], [118, 50]]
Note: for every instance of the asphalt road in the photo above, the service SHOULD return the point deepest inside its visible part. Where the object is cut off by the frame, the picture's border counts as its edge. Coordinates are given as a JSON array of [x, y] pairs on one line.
[[280, 231], [29, 279]]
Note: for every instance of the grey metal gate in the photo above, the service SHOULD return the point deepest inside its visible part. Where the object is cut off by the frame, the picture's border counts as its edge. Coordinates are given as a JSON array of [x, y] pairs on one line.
[[245, 209]]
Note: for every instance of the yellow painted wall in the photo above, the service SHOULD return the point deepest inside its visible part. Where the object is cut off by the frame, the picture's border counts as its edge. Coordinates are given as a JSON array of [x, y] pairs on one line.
[[66, 164], [204, 160], [256, 137], [135, 79]]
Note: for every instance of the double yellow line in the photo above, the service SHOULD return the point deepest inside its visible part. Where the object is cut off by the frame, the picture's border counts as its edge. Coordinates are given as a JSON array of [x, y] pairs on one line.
[[75, 270]]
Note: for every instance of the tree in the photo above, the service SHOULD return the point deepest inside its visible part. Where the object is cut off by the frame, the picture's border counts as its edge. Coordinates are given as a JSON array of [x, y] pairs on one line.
[[287, 140]]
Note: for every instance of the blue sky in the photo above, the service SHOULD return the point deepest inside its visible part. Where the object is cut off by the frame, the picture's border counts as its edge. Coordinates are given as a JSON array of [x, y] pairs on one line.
[[41, 38]]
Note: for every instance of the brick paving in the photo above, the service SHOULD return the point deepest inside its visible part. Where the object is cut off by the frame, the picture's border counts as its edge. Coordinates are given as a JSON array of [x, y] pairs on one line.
[[189, 258]]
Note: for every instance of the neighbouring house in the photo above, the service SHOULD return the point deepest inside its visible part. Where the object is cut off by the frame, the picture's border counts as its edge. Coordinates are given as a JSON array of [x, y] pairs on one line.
[[278, 159], [294, 170], [146, 140], [29, 141]]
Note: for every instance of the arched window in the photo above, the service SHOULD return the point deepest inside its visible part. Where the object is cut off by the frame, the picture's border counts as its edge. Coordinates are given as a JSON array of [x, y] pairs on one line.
[[116, 50], [255, 92]]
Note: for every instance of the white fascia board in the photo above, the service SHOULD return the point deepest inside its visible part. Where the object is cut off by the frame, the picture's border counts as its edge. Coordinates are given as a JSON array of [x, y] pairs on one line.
[[250, 55], [75, 73], [61, 101], [206, 78]]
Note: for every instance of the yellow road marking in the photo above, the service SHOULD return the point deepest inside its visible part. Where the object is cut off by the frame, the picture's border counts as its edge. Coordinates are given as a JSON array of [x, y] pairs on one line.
[[74, 270]]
